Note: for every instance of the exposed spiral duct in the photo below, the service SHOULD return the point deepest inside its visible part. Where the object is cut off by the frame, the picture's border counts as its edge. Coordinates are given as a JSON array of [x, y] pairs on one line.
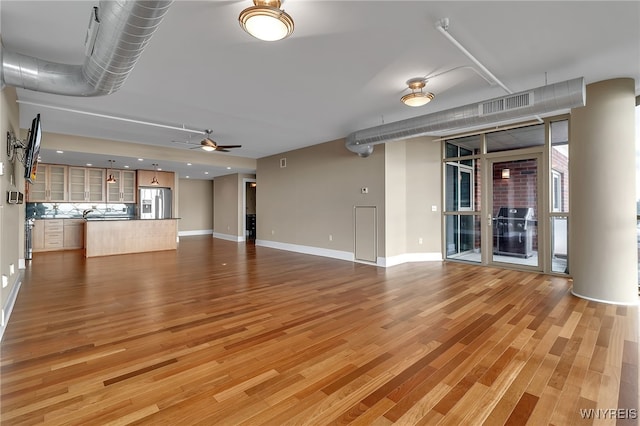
[[542, 100], [118, 33]]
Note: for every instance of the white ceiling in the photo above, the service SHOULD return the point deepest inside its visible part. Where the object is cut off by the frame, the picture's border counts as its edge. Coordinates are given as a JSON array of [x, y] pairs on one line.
[[343, 69]]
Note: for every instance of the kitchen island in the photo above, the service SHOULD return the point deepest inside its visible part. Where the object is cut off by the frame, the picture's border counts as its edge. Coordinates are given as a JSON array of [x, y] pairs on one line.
[[105, 237]]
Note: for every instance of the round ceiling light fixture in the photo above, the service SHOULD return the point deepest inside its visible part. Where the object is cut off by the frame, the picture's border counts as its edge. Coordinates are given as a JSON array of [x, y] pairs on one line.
[[266, 21], [417, 97]]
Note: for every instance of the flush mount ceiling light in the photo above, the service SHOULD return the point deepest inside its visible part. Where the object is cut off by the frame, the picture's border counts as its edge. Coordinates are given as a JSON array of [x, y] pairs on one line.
[[266, 21], [417, 97]]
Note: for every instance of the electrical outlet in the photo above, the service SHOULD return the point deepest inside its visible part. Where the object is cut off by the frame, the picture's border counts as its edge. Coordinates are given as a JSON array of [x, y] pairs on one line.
[[330, 237], [420, 240], [5, 281], [12, 269], [434, 208]]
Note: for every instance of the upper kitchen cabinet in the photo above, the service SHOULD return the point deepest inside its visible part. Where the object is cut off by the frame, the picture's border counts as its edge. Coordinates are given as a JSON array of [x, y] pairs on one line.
[[87, 184], [165, 179], [124, 189], [50, 184]]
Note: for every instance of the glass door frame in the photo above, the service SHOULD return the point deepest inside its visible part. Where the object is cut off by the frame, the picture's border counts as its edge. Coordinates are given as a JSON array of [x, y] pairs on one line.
[[487, 206], [484, 159]]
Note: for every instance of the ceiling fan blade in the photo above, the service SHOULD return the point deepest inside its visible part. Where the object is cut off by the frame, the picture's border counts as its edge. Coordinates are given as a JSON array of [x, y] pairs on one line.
[[229, 146], [220, 149]]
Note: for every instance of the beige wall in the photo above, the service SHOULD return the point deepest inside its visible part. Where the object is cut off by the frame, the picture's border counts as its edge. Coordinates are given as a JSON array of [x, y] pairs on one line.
[[424, 189], [195, 203], [313, 197], [11, 215], [228, 205], [413, 185], [396, 198]]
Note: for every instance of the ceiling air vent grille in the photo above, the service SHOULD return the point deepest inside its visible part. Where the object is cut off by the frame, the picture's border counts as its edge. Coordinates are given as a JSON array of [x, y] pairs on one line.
[[508, 103]]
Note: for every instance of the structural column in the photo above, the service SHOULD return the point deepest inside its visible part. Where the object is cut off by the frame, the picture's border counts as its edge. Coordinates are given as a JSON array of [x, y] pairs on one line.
[[602, 229]]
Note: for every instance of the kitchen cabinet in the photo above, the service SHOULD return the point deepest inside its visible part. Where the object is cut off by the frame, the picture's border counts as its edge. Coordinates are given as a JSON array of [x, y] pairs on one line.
[[53, 234], [57, 234], [50, 184], [124, 190], [165, 179], [73, 234], [87, 184], [37, 235]]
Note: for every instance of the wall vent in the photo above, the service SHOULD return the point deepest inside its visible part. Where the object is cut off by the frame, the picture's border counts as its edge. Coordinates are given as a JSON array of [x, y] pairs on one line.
[[521, 100]]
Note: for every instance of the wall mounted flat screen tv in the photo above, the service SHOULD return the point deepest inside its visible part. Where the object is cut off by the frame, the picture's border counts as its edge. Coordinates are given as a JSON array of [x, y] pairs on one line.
[[32, 150]]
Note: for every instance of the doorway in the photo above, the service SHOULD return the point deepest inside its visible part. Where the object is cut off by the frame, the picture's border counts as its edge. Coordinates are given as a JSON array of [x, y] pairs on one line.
[[513, 210], [250, 219]]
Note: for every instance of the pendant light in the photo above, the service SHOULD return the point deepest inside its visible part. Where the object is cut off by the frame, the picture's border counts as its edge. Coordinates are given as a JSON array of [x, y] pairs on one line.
[[266, 21], [111, 178], [154, 181], [417, 97]]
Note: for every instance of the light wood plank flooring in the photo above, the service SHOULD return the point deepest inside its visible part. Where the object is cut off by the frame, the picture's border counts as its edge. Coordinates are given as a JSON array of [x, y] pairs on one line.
[[219, 333]]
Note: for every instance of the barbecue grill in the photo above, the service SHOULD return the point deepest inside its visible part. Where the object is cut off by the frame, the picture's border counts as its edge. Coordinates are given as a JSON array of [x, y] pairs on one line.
[[513, 231]]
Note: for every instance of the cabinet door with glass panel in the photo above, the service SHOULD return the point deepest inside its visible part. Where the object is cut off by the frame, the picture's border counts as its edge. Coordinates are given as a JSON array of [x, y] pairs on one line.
[[124, 189], [50, 184], [86, 184]]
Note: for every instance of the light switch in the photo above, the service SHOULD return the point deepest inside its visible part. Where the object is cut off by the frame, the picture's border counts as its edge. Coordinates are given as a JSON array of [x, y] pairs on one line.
[[434, 208], [5, 281]]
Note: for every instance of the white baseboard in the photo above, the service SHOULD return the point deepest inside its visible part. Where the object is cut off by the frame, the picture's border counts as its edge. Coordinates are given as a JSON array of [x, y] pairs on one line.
[[228, 237], [384, 262], [8, 305], [409, 257], [196, 232], [634, 302], [317, 251]]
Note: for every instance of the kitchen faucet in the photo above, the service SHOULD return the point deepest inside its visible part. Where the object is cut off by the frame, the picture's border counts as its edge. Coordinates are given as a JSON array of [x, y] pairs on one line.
[[86, 212]]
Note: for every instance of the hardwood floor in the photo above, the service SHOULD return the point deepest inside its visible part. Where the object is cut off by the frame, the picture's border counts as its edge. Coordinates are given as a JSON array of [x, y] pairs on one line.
[[220, 333]]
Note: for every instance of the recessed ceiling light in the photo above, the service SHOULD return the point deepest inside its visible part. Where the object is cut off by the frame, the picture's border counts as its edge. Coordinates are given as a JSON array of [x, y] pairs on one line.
[[228, 168], [159, 168], [140, 159], [189, 164], [187, 177], [60, 152], [126, 167], [206, 173], [89, 164]]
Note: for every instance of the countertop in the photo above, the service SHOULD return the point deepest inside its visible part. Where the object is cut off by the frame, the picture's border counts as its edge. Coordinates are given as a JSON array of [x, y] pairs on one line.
[[97, 218]]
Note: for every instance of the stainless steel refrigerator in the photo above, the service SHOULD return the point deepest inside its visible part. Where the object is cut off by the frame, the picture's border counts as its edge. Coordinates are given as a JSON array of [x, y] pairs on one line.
[[154, 203]]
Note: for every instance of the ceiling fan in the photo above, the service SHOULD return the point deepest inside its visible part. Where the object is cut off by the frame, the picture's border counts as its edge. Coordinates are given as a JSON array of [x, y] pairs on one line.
[[209, 144]]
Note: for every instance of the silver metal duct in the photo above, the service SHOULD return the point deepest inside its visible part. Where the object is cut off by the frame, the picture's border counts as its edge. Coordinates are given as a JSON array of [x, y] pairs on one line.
[[542, 100], [118, 33]]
